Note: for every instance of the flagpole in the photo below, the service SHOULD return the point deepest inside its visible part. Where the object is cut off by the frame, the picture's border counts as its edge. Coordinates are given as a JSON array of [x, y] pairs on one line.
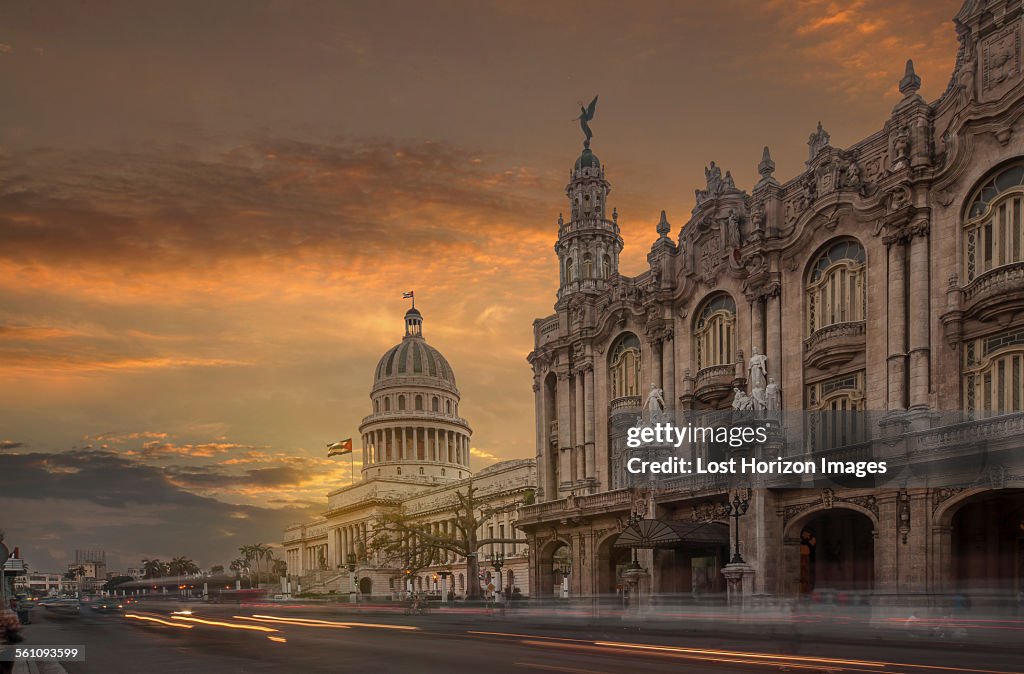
[[353, 471]]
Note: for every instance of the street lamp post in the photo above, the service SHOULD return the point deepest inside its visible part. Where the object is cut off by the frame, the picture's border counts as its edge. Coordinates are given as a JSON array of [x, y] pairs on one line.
[[350, 560], [497, 560], [444, 585], [736, 510]]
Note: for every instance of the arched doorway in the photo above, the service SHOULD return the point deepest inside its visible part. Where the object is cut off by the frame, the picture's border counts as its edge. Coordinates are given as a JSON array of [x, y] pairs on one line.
[[611, 562], [835, 551], [554, 569], [365, 586], [987, 532]]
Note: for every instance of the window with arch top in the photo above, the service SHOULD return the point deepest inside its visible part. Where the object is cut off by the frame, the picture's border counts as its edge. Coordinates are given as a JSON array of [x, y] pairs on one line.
[[836, 286], [714, 332], [993, 231], [588, 266], [624, 366], [401, 402]]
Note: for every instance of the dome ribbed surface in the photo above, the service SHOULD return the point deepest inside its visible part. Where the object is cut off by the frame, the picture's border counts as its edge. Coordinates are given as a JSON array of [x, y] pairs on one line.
[[413, 357]]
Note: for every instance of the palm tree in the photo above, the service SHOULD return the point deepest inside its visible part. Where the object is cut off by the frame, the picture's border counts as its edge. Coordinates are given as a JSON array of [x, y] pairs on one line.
[[182, 566], [217, 568], [279, 568], [153, 568]]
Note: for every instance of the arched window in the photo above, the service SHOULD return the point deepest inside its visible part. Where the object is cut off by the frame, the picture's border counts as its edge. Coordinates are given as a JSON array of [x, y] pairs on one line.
[[624, 366], [588, 266], [570, 275], [993, 233], [606, 267], [419, 402], [401, 402], [434, 404], [993, 379], [836, 286], [714, 332], [836, 411], [399, 470], [448, 406], [387, 404], [376, 406]]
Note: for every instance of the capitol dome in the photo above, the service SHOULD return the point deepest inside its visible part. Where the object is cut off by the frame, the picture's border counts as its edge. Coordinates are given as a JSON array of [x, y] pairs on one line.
[[415, 431], [413, 358]]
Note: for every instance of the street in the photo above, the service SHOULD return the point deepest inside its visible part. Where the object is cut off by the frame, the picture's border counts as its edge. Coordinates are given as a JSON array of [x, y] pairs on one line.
[[170, 639]]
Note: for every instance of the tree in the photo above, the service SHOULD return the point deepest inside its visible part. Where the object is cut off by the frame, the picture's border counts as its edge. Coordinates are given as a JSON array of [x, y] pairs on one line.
[[153, 568], [217, 568], [400, 538], [279, 568], [112, 584], [182, 566], [75, 572], [257, 553]]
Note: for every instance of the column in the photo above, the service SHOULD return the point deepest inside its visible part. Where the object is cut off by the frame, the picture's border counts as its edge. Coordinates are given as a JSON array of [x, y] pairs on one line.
[[539, 426], [578, 445], [757, 319], [564, 440], [393, 446], [588, 428], [773, 337], [668, 378], [919, 297], [656, 369], [897, 323]]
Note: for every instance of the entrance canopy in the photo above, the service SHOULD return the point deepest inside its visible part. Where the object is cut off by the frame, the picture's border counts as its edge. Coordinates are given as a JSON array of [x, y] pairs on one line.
[[672, 534]]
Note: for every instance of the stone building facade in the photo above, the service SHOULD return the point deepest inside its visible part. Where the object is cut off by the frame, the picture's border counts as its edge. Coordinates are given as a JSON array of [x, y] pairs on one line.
[[887, 279], [415, 454]]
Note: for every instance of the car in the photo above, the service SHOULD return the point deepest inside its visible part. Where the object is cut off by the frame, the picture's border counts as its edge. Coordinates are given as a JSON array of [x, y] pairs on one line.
[[107, 606], [66, 607]]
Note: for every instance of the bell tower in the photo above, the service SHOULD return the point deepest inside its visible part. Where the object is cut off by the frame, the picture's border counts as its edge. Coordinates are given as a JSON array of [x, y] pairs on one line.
[[588, 244]]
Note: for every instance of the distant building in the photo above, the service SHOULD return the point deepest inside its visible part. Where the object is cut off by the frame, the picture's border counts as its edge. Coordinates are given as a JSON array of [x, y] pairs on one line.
[[415, 456], [44, 584]]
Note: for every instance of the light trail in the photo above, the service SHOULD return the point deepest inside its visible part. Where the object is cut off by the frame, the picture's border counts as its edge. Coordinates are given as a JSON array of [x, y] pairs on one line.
[[218, 623], [280, 640], [735, 657], [151, 619], [299, 621]]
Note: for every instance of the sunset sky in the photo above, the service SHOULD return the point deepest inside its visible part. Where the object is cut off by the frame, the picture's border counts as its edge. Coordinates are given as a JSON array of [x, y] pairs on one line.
[[209, 211]]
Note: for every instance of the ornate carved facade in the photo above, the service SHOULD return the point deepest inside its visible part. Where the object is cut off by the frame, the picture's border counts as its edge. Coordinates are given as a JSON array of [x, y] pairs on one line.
[[888, 277]]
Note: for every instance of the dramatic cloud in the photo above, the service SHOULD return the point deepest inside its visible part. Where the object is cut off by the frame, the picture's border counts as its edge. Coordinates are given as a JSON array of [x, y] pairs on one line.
[[202, 250]]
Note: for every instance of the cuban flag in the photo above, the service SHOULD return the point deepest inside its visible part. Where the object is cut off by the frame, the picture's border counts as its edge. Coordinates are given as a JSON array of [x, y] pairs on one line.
[[339, 448]]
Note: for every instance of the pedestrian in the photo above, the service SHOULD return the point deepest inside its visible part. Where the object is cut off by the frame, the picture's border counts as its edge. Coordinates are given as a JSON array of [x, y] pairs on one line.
[[10, 626]]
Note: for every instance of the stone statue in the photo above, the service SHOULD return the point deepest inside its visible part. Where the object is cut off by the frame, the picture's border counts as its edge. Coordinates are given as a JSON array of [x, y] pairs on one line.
[[773, 397], [852, 178], [713, 175], [740, 400], [757, 398], [728, 184], [587, 114], [901, 144], [655, 403], [733, 227], [758, 369]]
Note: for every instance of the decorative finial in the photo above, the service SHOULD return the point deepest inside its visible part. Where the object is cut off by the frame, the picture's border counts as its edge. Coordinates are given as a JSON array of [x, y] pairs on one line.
[[818, 140], [663, 226], [560, 220], [767, 167], [910, 82], [615, 214], [587, 114]]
